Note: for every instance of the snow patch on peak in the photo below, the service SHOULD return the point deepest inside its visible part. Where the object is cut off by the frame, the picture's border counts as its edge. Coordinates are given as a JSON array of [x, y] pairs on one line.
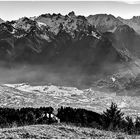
[[13, 32], [40, 24], [95, 35]]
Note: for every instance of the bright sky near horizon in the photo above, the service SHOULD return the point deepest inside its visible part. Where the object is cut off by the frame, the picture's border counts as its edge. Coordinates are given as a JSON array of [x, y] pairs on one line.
[[12, 10]]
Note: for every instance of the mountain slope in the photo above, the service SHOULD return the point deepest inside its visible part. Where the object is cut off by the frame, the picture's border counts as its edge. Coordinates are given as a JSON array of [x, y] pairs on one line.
[[134, 22], [59, 131], [1, 21], [126, 39], [56, 39], [76, 48], [104, 22]]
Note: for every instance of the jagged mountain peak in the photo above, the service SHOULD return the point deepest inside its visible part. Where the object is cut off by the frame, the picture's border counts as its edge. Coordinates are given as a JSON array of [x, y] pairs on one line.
[[136, 17], [71, 14], [1, 21]]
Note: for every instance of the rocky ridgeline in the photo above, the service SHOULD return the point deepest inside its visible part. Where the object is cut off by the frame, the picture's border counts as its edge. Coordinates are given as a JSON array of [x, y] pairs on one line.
[[53, 34]]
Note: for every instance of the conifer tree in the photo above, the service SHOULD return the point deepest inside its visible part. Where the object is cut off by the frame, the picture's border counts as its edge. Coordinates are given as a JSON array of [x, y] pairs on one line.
[[112, 117]]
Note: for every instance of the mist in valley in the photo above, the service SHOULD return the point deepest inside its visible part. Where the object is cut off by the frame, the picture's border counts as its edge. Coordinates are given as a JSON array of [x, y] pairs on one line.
[[66, 75]]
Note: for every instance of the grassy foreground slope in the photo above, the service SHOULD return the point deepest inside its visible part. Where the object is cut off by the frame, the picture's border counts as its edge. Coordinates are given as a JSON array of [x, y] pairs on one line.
[[59, 131]]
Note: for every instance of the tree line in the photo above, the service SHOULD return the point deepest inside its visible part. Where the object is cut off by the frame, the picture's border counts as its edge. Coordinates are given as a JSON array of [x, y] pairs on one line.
[[25, 116], [112, 119]]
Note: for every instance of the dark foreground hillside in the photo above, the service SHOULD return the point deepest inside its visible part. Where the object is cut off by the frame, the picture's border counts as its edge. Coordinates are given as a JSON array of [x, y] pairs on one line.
[[60, 131]]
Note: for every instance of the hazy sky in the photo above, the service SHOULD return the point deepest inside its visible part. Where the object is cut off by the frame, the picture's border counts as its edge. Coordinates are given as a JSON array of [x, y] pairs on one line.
[[11, 10]]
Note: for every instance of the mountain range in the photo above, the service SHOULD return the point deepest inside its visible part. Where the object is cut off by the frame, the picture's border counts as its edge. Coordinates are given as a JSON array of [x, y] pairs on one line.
[[97, 46]]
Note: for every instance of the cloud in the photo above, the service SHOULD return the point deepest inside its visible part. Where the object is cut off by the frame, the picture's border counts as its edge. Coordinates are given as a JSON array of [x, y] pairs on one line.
[[126, 1], [131, 2]]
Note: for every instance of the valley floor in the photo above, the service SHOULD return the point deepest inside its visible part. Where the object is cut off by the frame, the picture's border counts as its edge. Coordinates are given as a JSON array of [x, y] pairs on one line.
[[60, 131]]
